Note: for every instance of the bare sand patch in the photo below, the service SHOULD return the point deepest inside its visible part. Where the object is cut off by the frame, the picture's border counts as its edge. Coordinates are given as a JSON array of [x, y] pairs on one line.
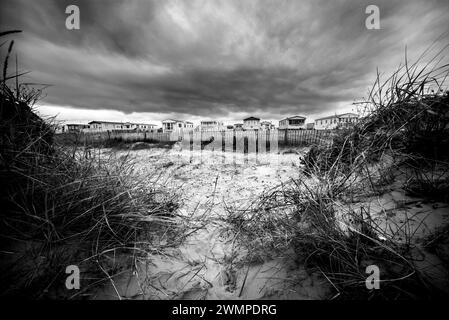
[[209, 265]]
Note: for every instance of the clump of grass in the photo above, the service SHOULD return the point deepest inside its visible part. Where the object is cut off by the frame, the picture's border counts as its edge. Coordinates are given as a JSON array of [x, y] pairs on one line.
[[404, 128], [405, 116], [438, 243], [62, 206], [432, 183], [262, 234], [332, 239]]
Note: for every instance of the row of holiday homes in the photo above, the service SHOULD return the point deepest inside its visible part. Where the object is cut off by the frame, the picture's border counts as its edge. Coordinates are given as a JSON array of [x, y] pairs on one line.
[[251, 123]]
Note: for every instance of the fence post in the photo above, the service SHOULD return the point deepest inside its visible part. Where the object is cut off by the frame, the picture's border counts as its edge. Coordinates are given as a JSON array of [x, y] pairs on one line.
[[267, 142], [223, 142]]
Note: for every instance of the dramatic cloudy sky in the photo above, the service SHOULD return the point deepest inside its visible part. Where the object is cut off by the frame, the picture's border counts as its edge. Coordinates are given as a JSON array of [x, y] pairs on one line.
[[150, 60]]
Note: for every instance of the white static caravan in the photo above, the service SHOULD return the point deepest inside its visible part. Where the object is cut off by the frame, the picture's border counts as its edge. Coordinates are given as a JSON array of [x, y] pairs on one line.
[[295, 122], [141, 126], [251, 123], [266, 125], [172, 125], [211, 125], [344, 120], [100, 126], [73, 127]]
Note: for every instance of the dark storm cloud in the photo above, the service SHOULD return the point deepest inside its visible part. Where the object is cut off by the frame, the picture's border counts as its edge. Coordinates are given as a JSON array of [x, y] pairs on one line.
[[216, 57]]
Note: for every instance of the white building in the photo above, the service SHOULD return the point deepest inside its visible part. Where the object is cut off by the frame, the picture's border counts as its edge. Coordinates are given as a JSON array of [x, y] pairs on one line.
[[211, 125], [106, 126], [344, 120], [142, 126], [73, 127], [110, 125], [172, 125], [251, 123], [266, 125], [295, 122]]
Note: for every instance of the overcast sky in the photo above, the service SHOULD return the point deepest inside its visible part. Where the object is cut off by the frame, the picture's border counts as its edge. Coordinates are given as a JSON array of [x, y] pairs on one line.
[[206, 59]]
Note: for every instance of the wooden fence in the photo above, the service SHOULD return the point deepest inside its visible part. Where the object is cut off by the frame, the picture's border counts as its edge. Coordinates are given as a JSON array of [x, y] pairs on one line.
[[280, 137], [125, 136], [304, 137], [225, 140]]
